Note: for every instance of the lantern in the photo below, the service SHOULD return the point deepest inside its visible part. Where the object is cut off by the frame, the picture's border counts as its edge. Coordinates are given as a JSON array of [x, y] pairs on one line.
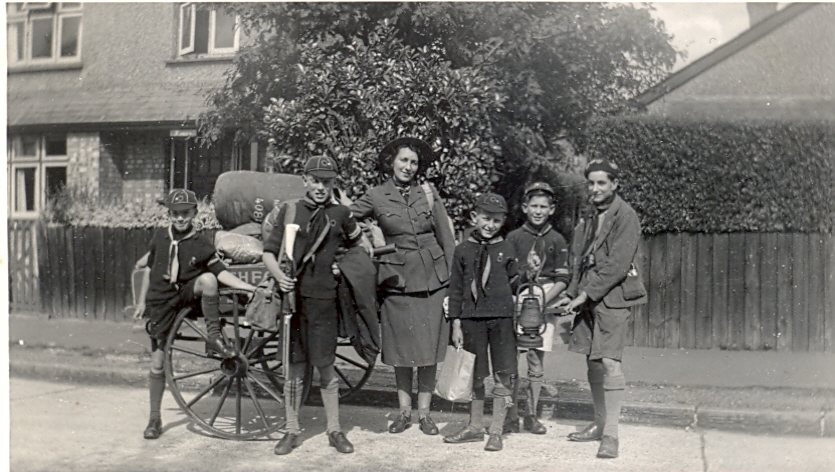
[[529, 316]]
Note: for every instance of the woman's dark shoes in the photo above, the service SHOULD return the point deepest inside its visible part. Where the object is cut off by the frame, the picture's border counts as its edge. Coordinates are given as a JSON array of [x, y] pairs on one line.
[[467, 434], [592, 432], [428, 426], [154, 429], [511, 425], [530, 423], [338, 440], [608, 448], [494, 443], [402, 423], [286, 444]]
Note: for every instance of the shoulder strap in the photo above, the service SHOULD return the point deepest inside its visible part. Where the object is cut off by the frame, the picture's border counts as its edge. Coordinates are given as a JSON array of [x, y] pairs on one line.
[[430, 195]]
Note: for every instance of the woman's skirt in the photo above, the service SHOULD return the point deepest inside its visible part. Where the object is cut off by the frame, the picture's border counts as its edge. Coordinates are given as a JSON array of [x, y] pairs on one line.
[[414, 330]]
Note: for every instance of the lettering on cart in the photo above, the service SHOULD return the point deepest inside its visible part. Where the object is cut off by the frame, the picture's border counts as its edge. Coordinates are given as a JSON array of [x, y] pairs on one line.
[[252, 276]]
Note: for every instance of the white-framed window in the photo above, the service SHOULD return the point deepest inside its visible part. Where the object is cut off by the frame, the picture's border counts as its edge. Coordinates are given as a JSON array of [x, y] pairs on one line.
[[204, 30], [37, 171], [43, 32]]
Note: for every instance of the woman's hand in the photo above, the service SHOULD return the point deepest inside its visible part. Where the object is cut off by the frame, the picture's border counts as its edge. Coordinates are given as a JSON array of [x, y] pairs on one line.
[[457, 334]]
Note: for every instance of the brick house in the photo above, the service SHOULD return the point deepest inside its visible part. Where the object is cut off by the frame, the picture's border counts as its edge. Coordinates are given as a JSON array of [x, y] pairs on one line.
[[105, 96], [782, 68]]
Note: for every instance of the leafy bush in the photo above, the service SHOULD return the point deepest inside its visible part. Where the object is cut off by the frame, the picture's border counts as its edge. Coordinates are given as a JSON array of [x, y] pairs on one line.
[[79, 207], [354, 96], [718, 177]]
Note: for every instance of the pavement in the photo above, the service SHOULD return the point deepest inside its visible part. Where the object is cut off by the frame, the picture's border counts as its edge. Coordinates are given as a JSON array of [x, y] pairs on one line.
[[762, 392], [70, 427]]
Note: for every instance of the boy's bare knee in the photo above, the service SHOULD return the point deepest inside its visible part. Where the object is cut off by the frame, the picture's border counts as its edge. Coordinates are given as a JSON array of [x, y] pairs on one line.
[[206, 284], [612, 367]]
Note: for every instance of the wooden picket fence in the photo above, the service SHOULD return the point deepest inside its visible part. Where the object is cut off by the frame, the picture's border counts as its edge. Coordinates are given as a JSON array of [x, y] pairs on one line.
[[753, 291], [24, 294]]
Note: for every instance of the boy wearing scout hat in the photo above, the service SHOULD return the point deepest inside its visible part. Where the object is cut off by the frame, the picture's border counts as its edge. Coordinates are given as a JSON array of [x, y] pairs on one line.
[[545, 255], [324, 225], [481, 307], [183, 267]]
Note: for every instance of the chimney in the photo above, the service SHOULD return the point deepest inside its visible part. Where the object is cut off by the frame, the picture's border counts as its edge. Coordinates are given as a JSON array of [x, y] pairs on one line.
[[757, 12]]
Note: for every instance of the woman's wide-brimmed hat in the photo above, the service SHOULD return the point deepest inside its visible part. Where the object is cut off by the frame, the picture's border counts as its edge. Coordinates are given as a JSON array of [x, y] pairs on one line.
[[423, 150]]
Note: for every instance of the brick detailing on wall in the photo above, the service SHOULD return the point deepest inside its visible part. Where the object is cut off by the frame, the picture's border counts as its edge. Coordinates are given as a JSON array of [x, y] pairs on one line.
[[142, 161], [110, 176], [83, 154]]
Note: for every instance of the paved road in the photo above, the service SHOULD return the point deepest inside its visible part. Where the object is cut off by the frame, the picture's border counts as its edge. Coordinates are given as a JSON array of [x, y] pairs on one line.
[[58, 427]]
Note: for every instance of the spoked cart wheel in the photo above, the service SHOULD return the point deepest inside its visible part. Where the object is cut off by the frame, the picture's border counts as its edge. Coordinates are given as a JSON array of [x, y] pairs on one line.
[[236, 398], [351, 369]]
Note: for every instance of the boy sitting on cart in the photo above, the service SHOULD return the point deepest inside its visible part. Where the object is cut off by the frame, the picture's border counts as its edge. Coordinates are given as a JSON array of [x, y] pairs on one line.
[[184, 267]]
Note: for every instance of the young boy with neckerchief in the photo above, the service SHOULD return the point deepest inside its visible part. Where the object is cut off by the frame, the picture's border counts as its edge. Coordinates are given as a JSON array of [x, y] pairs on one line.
[[481, 307]]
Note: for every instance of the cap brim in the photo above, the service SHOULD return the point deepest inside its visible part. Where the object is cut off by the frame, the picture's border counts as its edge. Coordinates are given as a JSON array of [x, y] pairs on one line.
[[181, 206], [424, 151], [323, 174]]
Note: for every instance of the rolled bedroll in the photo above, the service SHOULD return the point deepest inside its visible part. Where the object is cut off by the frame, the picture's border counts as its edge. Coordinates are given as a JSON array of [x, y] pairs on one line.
[[245, 196]]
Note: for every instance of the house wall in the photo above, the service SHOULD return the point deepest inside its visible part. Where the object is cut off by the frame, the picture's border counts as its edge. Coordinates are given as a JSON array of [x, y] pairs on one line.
[[789, 73], [126, 46], [83, 155]]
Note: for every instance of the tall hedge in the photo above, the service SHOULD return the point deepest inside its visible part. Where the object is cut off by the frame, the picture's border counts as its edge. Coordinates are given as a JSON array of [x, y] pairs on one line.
[[717, 177]]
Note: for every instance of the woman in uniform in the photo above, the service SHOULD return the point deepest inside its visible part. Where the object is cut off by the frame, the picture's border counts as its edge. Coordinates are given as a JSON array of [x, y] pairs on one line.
[[413, 280]]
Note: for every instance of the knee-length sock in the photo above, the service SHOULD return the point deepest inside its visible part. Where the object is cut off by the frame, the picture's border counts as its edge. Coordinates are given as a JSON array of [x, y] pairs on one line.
[[477, 408], [613, 388], [596, 375], [330, 397], [211, 314], [157, 388], [293, 392]]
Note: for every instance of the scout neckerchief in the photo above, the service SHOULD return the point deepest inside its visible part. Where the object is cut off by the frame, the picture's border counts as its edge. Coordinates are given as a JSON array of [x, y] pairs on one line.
[[173, 254], [317, 227], [482, 263], [593, 228], [537, 236]]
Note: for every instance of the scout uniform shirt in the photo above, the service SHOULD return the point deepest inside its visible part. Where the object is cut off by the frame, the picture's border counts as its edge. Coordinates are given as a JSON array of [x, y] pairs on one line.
[[322, 228], [478, 289], [548, 244], [195, 255]]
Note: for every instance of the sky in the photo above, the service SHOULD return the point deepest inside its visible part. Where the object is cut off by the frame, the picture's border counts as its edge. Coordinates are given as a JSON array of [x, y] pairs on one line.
[[699, 28]]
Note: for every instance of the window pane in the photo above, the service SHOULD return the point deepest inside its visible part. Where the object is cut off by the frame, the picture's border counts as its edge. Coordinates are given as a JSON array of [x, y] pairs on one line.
[[42, 38], [15, 41], [69, 36], [56, 146], [201, 32], [70, 6], [56, 179], [29, 146], [24, 199], [185, 25], [224, 30]]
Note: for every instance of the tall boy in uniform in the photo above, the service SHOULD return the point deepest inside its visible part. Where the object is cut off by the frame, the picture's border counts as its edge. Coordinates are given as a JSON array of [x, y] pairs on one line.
[[324, 225], [481, 307], [545, 253], [184, 267]]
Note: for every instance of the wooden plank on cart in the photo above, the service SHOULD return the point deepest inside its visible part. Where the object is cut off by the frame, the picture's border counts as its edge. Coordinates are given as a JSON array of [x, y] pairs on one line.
[[768, 291], [751, 322], [704, 291]]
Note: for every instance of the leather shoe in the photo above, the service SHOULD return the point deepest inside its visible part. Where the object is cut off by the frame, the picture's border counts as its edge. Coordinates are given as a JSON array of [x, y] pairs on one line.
[[428, 426], [338, 440], [530, 423], [286, 444], [608, 448], [465, 435], [510, 426], [591, 432], [494, 443], [402, 423], [154, 429], [217, 346]]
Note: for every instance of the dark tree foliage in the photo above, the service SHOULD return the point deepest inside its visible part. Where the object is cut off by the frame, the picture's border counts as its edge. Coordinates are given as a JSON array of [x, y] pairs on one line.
[[555, 64]]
